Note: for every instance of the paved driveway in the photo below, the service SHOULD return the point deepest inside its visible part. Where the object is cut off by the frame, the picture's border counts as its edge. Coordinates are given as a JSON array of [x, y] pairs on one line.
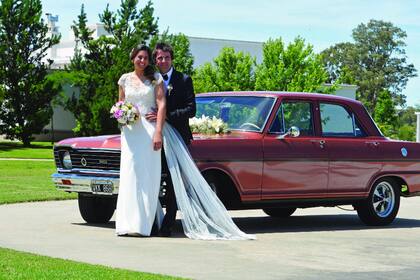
[[318, 243]]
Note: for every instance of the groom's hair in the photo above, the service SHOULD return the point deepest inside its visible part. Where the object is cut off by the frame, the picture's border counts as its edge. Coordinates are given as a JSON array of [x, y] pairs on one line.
[[163, 47]]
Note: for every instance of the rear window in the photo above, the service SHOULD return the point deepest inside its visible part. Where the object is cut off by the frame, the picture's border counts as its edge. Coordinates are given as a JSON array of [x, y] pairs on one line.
[[336, 121]]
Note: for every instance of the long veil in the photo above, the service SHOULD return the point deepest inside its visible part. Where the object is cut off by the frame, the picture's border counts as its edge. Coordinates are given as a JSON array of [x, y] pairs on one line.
[[203, 214]]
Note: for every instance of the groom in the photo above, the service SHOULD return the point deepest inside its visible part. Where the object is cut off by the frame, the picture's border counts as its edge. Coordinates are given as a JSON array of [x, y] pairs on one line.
[[180, 106]]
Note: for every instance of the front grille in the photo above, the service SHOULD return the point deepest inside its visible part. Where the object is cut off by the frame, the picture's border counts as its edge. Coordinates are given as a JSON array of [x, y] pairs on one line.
[[57, 158], [90, 158], [95, 159]]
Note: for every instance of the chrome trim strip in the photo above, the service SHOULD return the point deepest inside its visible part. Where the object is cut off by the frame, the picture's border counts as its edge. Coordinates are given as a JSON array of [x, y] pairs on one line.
[[87, 149], [81, 183], [90, 171], [269, 113]]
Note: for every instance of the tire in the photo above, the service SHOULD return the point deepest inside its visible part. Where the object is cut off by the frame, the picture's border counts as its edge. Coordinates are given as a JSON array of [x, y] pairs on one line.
[[279, 212], [96, 209], [213, 183], [224, 189], [382, 205]]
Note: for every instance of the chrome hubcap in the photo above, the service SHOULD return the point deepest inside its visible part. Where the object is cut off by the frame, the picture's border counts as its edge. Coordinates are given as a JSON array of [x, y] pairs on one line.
[[383, 199]]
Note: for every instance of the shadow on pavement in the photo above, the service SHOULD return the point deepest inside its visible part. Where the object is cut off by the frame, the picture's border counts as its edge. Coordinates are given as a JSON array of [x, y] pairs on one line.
[[307, 223], [177, 231], [313, 223]]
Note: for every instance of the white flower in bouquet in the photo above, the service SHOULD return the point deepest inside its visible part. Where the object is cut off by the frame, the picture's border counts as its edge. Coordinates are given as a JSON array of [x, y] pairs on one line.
[[217, 124], [125, 113], [205, 125]]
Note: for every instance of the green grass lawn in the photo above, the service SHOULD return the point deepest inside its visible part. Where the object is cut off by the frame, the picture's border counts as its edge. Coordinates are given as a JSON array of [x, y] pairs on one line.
[[28, 180], [19, 265], [39, 150]]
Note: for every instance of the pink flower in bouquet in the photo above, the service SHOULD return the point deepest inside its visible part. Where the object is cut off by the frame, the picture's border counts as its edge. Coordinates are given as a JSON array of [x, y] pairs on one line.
[[118, 114]]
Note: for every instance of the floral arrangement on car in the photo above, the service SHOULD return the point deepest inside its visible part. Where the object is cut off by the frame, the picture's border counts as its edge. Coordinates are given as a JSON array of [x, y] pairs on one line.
[[207, 125], [125, 113]]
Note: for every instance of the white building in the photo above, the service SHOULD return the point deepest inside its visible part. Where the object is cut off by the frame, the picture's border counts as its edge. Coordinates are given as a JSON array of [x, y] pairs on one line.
[[202, 49]]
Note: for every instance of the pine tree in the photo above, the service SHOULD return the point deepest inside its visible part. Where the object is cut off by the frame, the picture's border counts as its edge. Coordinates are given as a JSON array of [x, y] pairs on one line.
[[97, 70], [26, 91]]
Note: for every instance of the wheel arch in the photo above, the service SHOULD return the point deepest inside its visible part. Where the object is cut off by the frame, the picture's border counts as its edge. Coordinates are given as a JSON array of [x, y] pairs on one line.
[[402, 184], [229, 194]]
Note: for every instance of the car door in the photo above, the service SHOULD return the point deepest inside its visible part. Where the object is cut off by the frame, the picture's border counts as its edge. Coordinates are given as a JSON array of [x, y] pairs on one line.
[[294, 167], [354, 157]]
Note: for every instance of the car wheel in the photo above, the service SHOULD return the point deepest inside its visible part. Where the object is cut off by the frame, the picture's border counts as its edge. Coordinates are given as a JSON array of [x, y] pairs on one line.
[[279, 212], [382, 205], [96, 209]]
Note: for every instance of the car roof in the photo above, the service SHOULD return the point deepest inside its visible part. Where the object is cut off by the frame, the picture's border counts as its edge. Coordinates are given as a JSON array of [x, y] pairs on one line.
[[277, 94]]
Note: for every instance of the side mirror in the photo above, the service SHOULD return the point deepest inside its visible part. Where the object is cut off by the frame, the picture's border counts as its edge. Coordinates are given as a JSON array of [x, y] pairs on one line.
[[292, 132]]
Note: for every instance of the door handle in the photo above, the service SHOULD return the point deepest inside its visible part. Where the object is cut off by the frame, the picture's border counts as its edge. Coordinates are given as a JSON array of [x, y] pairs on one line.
[[373, 143], [320, 142]]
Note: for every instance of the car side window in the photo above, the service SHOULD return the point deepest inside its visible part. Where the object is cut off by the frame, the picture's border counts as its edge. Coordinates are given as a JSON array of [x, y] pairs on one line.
[[294, 113], [336, 121]]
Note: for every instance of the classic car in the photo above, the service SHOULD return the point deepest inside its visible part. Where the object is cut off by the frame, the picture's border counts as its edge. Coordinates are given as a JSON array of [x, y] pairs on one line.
[[283, 151]]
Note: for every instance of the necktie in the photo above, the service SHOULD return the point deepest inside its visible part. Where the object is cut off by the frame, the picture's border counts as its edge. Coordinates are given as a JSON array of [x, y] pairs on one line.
[[165, 77]]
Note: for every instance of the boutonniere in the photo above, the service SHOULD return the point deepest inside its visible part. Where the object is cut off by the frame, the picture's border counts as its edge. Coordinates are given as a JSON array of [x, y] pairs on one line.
[[170, 88]]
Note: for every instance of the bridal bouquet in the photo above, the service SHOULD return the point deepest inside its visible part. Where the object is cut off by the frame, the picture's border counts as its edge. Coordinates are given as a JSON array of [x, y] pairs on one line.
[[125, 113], [206, 125]]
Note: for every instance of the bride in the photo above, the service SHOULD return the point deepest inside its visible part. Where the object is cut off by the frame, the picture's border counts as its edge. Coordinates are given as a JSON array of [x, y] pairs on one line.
[[138, 207]]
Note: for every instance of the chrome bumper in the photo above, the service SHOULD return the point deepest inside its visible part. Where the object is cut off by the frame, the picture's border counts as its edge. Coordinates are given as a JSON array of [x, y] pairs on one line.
[[78, 183]]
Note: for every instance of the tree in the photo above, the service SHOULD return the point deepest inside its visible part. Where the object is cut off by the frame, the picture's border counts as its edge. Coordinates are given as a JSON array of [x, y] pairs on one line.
[[97, 69], [292, 68], [230, 71], [26, 92], [375, 62], [336, 62], [407, 122], [386, 115]]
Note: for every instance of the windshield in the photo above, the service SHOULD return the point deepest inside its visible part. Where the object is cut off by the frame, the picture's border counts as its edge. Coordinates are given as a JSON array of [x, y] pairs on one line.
[[248, 113]]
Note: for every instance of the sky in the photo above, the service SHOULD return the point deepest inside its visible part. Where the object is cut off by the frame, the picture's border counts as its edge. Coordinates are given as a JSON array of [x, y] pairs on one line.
[[321, 23]]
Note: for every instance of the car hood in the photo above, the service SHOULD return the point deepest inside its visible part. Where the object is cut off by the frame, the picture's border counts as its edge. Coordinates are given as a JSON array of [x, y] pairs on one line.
[[114, 141], [97, 142]]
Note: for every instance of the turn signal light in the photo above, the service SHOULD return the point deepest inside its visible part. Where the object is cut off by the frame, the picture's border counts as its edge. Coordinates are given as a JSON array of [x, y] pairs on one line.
[[66, 182]]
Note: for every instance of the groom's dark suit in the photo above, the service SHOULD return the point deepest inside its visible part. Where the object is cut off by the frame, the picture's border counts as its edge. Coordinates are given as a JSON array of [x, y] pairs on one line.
[[180, 106]]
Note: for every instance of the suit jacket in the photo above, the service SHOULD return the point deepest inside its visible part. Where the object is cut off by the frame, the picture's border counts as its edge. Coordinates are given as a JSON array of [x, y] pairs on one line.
[[180, 104]]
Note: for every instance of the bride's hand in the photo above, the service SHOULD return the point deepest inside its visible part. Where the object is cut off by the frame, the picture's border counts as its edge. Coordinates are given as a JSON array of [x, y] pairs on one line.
[[152, 116], [157, 141]]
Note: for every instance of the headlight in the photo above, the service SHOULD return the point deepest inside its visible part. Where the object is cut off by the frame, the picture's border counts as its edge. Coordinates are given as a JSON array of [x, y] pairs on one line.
[[67, 160]]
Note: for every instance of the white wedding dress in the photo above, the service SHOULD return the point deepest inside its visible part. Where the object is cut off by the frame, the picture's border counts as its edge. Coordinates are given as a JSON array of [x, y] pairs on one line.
[[203, 214], [140, 169]]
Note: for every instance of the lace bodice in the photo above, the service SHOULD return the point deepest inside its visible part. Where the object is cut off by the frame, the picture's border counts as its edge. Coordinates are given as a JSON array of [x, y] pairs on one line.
[[139, 93]]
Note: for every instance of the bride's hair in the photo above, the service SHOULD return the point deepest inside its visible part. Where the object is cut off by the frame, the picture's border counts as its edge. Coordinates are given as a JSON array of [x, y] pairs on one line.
[[149, 71]]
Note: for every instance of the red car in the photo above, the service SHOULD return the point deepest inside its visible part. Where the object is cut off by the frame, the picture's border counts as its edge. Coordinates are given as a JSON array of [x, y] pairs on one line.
[[284, 151]]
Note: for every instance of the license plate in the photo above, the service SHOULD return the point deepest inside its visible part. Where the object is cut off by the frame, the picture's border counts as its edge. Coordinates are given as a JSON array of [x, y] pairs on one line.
[[102, 187]]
